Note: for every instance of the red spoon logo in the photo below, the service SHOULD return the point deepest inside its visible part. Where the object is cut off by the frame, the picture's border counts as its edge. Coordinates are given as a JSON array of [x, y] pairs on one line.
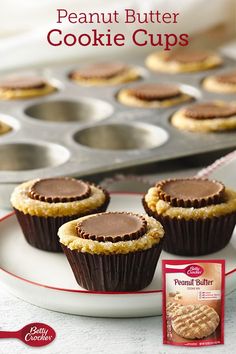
[[34, 334]]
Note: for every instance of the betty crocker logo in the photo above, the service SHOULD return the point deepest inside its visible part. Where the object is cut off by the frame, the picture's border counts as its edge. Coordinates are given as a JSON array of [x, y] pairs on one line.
[[34, 334], [194, 271]]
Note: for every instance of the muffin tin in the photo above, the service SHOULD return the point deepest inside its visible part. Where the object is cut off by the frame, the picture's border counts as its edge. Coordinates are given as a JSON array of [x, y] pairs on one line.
[[81, 130]]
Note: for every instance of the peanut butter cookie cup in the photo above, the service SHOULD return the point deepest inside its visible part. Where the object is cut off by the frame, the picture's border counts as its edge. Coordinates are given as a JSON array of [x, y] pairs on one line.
[[222, 83], [198, 215], [183, 61], [152, 95], [24, 87], [104, 73], [113, 251], [43, 205], [206, 117]]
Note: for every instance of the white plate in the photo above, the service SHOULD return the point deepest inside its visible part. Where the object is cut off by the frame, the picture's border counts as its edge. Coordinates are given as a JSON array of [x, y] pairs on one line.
[[46, 280]]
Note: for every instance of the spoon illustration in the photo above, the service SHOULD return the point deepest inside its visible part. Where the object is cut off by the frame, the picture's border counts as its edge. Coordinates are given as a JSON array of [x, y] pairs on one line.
[[34, 334]]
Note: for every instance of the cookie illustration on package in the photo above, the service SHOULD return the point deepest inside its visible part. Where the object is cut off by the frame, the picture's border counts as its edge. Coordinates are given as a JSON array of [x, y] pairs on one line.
[[195, 321], [193, 302]]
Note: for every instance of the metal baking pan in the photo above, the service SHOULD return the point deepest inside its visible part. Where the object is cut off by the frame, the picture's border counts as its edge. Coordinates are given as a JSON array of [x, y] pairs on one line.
[[80, 131]]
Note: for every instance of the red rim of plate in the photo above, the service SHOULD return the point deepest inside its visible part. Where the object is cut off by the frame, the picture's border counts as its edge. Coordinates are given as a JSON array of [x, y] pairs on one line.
[[88, 291]]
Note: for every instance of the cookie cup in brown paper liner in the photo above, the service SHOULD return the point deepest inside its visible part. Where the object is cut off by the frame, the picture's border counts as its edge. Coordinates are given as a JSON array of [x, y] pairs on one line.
[[195, 237], [41, 231], [116, 272]]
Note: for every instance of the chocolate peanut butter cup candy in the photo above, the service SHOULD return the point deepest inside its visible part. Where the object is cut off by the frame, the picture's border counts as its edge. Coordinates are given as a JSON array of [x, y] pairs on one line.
[[228, 78], [104, 73], [112, 251], [190, 193], [130, 227], [152, 95], [153, 92], [43, 205], [24, 87], [198, 215], [22, 83], [101, 70], [56, 190], [206, 117], [210, 110], [187, 57], [183, 61]]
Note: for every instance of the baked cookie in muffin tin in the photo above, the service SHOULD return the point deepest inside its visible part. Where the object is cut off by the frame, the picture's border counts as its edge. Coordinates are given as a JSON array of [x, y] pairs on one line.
[[153, 95], [183, 61], [206, 117], [105, 74], [224, 83], [23, 87]]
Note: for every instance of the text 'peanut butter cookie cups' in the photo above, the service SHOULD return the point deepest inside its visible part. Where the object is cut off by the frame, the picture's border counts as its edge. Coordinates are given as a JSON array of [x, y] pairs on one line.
[[198, 215], [43, 205], [104, 74], [206, 117], [152, 95], [24, 87], [112, 251], [183, 61]]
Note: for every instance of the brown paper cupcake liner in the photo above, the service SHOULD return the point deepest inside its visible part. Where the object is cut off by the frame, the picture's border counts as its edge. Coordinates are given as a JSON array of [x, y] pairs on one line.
[[41, 232], [195, 237], [118, 272]]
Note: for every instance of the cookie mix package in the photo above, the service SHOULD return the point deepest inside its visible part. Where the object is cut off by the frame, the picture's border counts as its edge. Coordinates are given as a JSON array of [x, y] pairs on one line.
[[193, 302]]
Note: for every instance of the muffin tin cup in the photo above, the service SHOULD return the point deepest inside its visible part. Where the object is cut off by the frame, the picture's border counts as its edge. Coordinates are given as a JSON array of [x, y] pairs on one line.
[[68, 110], [122, 136], [41, 232], [28, 156], [118, 272], [195, 237]]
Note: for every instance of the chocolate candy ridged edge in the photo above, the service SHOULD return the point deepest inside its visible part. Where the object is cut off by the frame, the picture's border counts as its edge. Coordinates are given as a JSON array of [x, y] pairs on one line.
[[126, 237], [139, 92], [192, 112], [217, 198], [36, 83], [188, 57], [104, 74], [50, 199]]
